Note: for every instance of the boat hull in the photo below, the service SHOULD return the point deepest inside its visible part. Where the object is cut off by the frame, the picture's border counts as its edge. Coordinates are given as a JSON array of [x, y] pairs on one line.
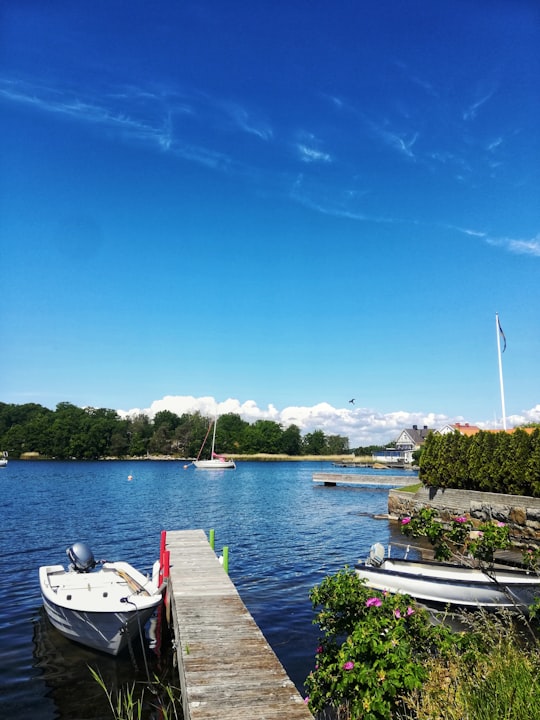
[[452, 585], [214, 464], [104, 610]]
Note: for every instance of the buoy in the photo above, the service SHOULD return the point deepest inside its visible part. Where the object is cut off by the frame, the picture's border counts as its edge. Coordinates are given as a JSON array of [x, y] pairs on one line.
[[186, 467], [130, 477]]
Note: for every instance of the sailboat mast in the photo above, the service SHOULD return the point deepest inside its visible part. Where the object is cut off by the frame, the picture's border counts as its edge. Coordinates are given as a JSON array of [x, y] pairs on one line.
[[214, 438]]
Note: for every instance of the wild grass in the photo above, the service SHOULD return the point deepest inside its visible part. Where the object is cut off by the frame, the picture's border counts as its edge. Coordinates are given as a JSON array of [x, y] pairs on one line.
[[129, 704], [497, 678]]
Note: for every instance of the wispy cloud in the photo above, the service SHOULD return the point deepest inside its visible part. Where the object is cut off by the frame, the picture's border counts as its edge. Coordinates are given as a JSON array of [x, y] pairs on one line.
[[494, 144], [247, 123], [158, 131], [402, 142], [342, 205], [472, 111], [310, 154], [513, 245], [519, 247]]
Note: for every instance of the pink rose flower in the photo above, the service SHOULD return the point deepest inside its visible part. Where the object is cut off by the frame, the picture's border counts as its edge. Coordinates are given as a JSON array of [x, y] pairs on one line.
[[374, 601], [348, 665], [405, 520], [460, 519], [397, 613]]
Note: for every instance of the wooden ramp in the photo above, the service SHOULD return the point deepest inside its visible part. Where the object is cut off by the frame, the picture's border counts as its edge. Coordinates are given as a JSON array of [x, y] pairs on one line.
[[390, 481], [227, 669]]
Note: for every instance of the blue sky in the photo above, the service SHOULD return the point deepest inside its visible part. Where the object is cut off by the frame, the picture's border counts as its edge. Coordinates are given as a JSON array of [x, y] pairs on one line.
[[273, 207]]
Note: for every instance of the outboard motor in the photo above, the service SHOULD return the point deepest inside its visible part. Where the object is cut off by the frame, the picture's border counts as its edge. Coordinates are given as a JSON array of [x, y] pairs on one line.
[[376, 555], [82, 559]]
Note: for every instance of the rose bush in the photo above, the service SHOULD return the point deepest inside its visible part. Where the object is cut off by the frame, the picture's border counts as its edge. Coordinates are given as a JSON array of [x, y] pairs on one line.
[[373, 651], [458, 537]]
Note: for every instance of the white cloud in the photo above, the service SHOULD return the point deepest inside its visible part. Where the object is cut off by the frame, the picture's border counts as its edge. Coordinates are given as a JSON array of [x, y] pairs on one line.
[[246, 123], [472, 111], [519, 247], [309, 154], [363, 426]]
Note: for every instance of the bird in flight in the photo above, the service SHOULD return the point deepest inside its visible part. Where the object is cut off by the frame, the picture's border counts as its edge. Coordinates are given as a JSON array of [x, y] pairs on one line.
[[351, 401]]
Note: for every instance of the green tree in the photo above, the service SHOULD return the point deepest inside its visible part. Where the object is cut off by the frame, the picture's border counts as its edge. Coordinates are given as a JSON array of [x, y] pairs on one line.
[[291, 441], [141, 432], [264, 436], [230, 433], [314, 443], [337, 445]]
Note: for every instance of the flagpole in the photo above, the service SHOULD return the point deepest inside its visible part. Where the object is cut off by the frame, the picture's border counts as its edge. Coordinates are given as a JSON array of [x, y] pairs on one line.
[[498, 328]]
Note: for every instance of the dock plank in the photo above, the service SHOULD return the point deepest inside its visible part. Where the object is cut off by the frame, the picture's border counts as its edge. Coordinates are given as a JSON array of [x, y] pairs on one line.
[[227, 668]]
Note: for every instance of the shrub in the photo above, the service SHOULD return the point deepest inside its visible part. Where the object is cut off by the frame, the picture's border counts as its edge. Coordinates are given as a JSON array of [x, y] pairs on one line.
[[374, 649]]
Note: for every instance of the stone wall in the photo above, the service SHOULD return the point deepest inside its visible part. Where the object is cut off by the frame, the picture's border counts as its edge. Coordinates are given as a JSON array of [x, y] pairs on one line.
[[521, 513]]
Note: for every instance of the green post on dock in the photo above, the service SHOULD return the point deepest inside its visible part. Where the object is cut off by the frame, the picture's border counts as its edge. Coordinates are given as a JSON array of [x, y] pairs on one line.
[[226, 559], [211, 538]]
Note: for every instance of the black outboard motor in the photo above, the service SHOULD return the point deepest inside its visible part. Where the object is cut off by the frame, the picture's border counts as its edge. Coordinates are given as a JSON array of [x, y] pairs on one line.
[[82, 559]]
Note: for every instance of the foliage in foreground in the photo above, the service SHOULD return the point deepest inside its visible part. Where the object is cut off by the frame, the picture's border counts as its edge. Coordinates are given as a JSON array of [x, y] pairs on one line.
[[375, 648], [381, 656], [498, 677], [126, 704]]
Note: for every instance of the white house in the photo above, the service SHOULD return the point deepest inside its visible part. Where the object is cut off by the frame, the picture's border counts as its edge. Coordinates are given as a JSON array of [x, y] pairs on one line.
[[408, 441]]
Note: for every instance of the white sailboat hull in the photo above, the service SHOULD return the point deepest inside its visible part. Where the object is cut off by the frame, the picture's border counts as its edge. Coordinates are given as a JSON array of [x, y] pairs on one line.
[[214, 464]]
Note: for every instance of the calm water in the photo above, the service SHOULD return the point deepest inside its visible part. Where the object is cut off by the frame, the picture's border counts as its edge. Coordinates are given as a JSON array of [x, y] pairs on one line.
[[284, 535]]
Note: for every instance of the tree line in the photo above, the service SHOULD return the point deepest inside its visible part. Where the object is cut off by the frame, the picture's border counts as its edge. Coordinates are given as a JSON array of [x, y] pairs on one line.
[[499, 462], [71, 432]]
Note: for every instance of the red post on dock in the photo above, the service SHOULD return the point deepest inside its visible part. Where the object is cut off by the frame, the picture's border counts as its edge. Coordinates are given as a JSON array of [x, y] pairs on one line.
[[166, 564], [162, 550]]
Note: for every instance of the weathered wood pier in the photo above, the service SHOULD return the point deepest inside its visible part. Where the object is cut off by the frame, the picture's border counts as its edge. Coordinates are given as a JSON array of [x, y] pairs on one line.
[[227, 669], [390, 481]]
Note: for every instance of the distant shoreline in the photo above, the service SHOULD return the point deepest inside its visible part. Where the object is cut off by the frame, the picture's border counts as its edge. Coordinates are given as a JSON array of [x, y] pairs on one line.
[[351, 460]]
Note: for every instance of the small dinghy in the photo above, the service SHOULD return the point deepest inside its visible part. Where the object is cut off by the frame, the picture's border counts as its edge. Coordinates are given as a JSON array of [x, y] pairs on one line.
[[103, 608], [450, 584]]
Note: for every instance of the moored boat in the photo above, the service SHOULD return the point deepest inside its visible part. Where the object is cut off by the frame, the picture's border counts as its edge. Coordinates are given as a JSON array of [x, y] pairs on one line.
[[105, 608], [450, 584], [4, 459], [215, 462]]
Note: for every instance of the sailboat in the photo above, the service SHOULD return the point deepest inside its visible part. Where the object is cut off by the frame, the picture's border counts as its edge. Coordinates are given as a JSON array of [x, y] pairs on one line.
[[216, 462]]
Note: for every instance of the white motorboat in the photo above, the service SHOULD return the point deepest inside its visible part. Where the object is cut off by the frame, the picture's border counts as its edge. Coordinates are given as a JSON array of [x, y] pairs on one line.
[[216, 462], [449, 584], [105, 608], [4, 459]]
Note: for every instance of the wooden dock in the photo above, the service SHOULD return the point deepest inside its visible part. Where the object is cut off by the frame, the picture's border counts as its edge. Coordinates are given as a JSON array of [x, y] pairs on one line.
[[390, 481], [227, 669]]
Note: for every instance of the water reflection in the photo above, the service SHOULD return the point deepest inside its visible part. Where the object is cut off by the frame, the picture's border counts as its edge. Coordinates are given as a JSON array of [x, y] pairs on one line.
[[64, 668]]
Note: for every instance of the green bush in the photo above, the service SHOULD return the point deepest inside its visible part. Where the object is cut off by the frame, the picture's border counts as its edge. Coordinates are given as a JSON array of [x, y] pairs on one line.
[[499, 462], [374, 648]]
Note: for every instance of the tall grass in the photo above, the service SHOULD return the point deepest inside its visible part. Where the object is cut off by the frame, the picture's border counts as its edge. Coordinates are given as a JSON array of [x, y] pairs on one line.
[[497, 678], [126, 704]]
